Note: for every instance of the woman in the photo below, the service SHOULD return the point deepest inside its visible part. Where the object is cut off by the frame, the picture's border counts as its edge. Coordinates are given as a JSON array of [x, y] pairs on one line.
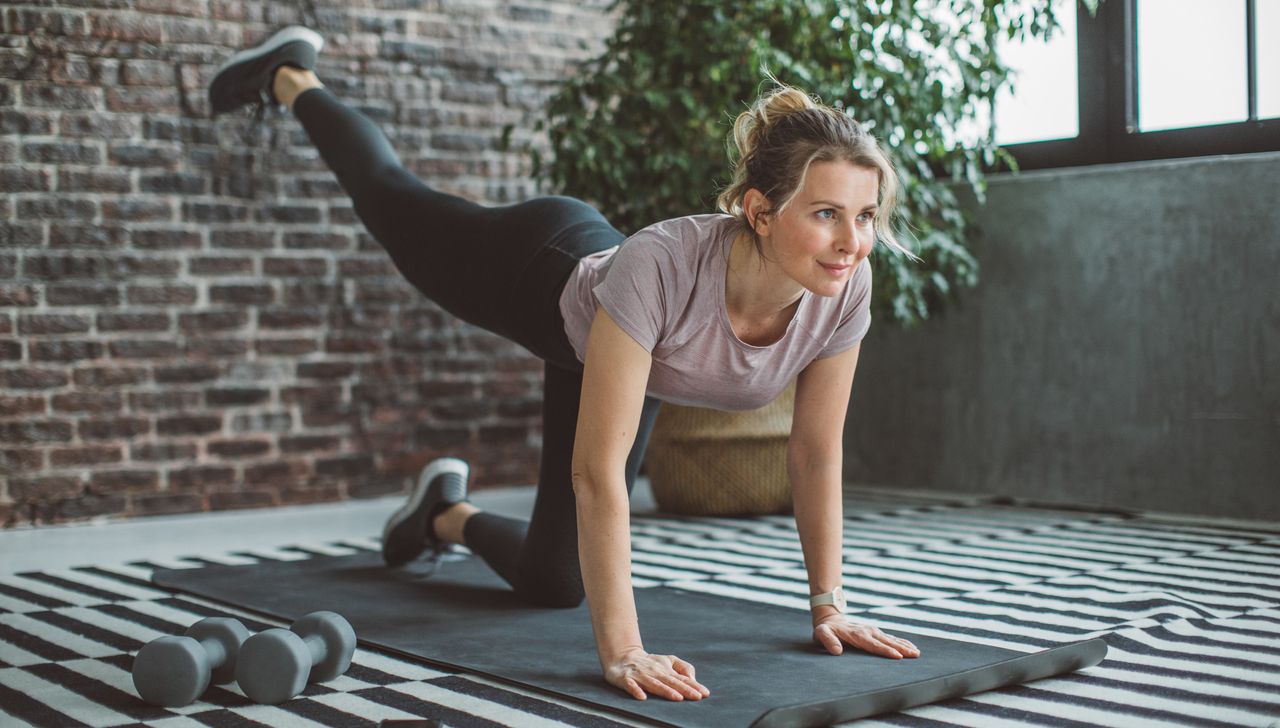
[[718, 310]]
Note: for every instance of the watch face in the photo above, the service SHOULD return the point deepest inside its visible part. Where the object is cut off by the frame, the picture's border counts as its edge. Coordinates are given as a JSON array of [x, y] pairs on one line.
[[838, 596]]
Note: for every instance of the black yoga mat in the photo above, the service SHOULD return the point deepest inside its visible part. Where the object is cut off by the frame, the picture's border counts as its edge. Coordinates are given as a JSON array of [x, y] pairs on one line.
[[758, 660]]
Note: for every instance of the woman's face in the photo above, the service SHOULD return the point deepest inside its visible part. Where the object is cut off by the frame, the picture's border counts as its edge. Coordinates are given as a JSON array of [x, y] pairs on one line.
[[829, 224]]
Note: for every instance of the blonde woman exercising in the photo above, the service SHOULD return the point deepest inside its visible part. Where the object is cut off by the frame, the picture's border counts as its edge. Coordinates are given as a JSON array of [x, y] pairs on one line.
[[717, 310]]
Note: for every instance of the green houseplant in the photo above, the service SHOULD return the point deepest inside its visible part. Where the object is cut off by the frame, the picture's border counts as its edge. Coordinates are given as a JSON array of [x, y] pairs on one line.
[[641, 131]]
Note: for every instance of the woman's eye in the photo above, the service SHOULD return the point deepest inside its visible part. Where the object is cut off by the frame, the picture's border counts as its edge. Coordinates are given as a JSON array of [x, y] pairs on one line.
[[823, 212], [866, 217]]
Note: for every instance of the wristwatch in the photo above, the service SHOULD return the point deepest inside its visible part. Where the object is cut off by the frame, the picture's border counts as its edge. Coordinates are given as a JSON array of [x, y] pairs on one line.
[[835, 598]]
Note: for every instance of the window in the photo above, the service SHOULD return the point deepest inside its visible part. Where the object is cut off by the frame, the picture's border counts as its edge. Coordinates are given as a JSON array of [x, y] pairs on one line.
[[1154, 79]]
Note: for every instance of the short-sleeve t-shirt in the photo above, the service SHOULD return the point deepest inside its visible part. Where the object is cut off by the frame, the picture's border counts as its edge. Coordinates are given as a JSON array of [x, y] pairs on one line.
[[665, 287]]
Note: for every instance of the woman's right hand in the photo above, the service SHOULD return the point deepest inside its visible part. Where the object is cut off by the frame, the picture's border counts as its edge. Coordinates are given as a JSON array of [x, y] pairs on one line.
[[637, 673]]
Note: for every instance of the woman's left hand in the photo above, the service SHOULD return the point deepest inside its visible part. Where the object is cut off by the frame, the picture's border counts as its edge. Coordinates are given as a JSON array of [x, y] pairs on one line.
[[834, 630]]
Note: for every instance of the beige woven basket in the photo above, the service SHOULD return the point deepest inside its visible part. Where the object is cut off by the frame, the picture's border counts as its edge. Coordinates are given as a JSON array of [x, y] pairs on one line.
[[705, 462]]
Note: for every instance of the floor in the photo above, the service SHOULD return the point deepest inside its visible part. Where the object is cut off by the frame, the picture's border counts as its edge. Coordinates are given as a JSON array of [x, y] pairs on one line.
[[1190, 609]]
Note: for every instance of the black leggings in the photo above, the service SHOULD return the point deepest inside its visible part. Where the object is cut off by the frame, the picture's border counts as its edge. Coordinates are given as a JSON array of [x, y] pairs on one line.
[[502, 269]]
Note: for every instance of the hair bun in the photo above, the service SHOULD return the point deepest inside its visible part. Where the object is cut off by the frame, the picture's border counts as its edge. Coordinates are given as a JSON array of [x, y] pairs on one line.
[[752, 124]]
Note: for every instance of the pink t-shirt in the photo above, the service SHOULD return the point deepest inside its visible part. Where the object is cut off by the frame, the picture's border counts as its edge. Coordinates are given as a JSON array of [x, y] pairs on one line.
[[665, 287]]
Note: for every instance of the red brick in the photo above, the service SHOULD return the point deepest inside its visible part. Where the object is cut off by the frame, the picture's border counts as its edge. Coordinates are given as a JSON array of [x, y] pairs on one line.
[[19, 179], [18, 405], [213, 320], [19, 461], [44, 488], [57, 208], [201, 477], [192, 8], [35, 324], [97, 125], [167, 400], [66, 98], [187, 373], [159, 451], [320, 241], [146, 73], [54, 22], [285, 347], [206, 348], [138, 210], [148, 321], [242, 294], [126, 26], [98, 402], [238, 448], [64, 351], [325, 369], [109, 376], [162, 295], [188, 425], [81, 295], [112, 428], [87, 236], [95, 181], [32, 378], [142, 99], [32, 431], [166, 239], [242, 239], [308, 443], [88, 455], [143, 349], [295, 267]]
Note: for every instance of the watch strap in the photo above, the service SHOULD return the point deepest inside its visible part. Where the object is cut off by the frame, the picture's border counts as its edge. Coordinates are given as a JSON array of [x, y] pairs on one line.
[[834, 598]]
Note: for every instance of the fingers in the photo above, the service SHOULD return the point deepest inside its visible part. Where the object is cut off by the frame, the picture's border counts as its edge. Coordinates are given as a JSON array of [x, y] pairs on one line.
[[829, 639], [634, 690], [670, 686], [687, 672], [872, 640], [905, 648], [664, 676]]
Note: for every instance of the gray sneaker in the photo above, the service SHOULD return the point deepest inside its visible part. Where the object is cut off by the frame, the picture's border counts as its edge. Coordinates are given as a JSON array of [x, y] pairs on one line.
[[246, 77], [408, 532]]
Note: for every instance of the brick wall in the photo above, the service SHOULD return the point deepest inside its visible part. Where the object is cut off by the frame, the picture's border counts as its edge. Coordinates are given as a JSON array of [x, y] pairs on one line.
[[191, 318]]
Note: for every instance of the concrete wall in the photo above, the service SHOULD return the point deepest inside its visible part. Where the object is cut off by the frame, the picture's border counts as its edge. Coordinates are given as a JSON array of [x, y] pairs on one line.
[[1122, 349]]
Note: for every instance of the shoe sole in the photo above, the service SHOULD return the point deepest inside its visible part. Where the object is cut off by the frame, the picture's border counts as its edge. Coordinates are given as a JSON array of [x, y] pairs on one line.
[[288, 35], [434, 468]]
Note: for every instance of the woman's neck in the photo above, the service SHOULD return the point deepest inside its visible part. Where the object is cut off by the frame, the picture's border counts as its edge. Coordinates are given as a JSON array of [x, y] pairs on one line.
[[757, 290]]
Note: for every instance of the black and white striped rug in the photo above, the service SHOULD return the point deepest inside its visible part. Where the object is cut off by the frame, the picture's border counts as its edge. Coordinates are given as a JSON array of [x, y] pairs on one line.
[[1191, 614]]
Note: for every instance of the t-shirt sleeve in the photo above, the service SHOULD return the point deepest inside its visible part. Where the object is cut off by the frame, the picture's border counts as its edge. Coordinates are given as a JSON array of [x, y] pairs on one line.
[[634, 290], [855, 320]]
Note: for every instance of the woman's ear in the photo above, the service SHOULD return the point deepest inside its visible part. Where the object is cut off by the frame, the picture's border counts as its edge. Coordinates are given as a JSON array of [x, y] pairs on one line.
[[756, 208]]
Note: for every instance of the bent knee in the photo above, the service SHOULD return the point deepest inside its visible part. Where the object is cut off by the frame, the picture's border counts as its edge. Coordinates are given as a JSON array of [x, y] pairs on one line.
[[557, 593]]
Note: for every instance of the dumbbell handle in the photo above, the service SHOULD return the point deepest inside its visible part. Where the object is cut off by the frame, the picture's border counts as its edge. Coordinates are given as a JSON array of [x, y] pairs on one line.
[[216, 650], [315, 645]]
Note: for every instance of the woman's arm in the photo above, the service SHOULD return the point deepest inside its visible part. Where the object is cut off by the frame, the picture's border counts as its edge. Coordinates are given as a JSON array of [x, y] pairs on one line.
[[815, 454], [614, 380], [817, 496]]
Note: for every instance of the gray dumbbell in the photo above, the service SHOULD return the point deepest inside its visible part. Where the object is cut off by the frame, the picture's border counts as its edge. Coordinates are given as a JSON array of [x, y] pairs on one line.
[[276, 664], [173, 671]]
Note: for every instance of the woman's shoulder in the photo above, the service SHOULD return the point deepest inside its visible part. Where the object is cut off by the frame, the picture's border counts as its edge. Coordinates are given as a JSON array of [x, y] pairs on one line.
[[687, 238], [689, 226]]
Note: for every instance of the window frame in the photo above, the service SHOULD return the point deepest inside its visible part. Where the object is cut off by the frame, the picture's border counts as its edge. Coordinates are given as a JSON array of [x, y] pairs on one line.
[[1106, 51]]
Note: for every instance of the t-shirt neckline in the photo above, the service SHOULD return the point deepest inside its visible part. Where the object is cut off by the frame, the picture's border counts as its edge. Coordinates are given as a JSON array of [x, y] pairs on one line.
[[722, 305]]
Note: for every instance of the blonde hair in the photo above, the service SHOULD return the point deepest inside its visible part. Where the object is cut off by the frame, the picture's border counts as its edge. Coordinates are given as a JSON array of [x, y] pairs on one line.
[[781, 135]]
